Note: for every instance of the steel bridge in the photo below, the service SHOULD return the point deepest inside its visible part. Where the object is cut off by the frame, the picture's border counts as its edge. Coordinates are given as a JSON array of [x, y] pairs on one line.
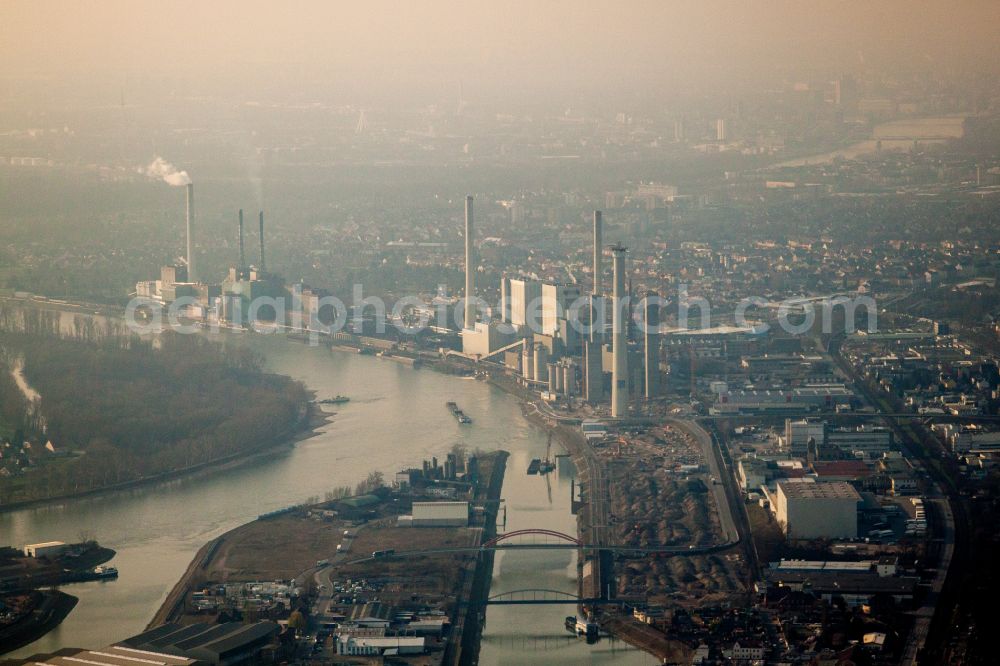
[[534, 532], [563, 541], [539, 596]]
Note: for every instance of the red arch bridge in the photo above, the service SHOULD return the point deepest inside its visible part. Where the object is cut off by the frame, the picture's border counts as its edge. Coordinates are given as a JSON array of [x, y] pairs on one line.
[[562, 540]]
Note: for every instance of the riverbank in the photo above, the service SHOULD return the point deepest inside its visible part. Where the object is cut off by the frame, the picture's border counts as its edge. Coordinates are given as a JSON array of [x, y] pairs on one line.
[[52, 608], [311, 418], [41, 610], [470, 624], [29, 573], [394, 417], [316, 548]]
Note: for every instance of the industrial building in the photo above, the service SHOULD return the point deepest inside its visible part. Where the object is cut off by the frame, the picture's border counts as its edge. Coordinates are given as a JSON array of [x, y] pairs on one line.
[[867, 440], [439, 514], [525, 301], [804, 437], [245, 284], [378, 645], [112, 655], [800, 433], [816, 510], [854, 587], [227, 643], [199, 644], [484, 338], [556, 302], [46, 549], [977, 441], [782, 400]]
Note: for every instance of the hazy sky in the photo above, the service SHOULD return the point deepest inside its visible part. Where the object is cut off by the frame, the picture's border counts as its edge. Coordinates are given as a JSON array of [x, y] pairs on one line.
[[379, 46]]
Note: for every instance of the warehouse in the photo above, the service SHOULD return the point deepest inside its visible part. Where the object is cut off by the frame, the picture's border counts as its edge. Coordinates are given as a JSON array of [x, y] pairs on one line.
[[440, 514], [226, 643], [786, 400], [112, 655], [854, 588], [817, 510], [47, 549], [378, 645]]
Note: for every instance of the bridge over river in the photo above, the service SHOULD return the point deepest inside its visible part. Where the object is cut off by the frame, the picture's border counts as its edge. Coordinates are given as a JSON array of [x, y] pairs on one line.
[[556, 541]]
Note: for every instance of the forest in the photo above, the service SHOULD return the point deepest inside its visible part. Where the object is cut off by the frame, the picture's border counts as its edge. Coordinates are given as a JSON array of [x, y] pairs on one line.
[[114, 408]]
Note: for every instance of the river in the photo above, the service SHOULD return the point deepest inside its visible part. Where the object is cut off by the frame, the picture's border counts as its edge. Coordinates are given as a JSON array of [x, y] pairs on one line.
[[396, 418]]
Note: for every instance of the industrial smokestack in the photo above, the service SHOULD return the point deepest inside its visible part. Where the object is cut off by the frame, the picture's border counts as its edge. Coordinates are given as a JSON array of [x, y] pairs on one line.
[[263, 266], [243, 256], [596, 307], [619, 346], [192, 273], [598, 250], [651, 348], [470, 276]]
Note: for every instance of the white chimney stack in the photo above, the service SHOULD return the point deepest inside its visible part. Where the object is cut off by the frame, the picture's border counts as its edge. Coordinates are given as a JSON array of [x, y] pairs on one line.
[[470, 276], [619, 345], [192, 273]]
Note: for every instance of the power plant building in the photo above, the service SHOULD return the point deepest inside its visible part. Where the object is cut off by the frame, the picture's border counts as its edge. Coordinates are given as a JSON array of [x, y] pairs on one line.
[[484, 339], [524, 302], [593, 366], [556, 302]]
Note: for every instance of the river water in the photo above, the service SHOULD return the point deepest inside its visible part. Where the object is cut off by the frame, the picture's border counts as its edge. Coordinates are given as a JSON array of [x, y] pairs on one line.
[[395, 419]]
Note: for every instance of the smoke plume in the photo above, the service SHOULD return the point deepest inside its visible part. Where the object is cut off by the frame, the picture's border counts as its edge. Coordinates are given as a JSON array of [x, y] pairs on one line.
[[168, 173]]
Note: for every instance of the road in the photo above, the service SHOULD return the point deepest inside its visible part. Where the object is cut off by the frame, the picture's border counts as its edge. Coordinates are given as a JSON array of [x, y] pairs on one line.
[[720, 476], [937, 497], [925, 614], [851, 417], [321, 575]]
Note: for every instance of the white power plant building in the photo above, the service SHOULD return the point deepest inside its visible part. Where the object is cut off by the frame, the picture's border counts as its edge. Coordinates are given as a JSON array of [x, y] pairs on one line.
[[817, 510], [525, 302], [556, 302]]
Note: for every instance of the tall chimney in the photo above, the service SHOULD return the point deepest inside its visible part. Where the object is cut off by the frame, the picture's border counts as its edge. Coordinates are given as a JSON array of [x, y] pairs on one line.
[[192, 273], [597, 321], [470, 276], [243, 256], [651, 347], [263, 266], [598, 250], [619, 346]]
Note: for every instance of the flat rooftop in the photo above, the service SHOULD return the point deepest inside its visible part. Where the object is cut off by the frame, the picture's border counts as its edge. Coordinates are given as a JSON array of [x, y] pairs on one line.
[[822, 490], [113, 655]]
